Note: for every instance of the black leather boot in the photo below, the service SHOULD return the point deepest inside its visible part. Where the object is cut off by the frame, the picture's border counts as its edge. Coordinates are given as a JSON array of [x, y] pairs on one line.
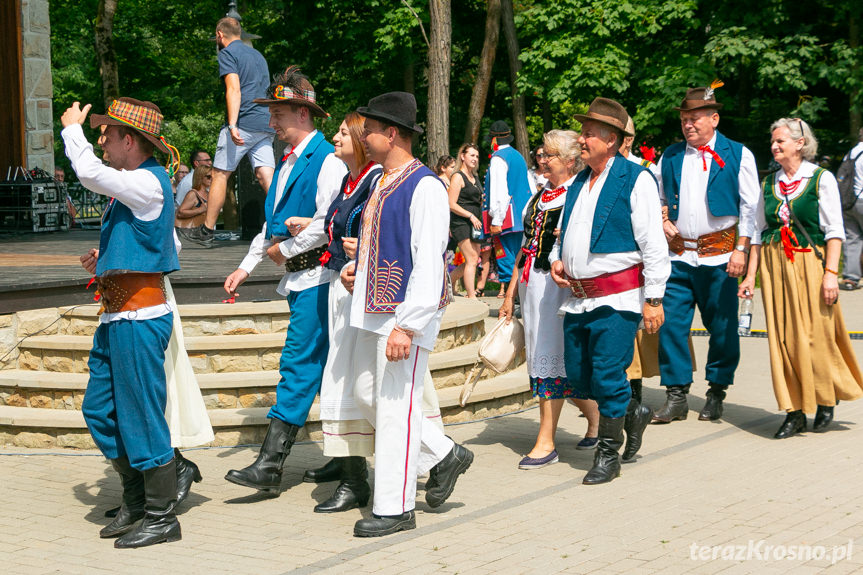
[[794, 423], [265, 474], [712, 409], [635, 384], [446, 473], [331, 471], [187, 472], [823, 418], [606, 461], [675, 405], [379, 525], [132, 509], [353, 491], [638, 417], [160, 524]]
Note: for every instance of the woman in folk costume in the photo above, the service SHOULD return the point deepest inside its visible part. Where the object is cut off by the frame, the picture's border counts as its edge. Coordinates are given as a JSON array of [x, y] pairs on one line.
[[811, 358], [348, 436], [541, 299]]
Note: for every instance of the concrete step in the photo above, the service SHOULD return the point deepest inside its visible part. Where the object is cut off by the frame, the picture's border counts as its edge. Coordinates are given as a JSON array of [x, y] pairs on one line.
[[53, 428]]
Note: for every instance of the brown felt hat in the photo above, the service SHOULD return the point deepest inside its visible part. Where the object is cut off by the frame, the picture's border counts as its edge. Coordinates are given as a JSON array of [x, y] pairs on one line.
[[607, 111], [698, 99]]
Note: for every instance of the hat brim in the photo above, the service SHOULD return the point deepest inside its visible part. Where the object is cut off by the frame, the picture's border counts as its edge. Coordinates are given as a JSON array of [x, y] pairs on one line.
[[688, 105], [316, 110], [97, 120], [501, 140], [383, 117], [584, 117]]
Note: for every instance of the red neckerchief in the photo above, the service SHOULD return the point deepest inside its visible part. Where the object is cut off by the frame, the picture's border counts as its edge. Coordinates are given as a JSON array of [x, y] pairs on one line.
[[790, 244], [531, 251], [288, 153], [710, 151], [549, 195], [325, 257]]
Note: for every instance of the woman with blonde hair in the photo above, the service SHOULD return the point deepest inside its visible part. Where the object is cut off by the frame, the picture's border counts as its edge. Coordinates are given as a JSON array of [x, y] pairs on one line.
[[192, 211], [465, 204], [541, 299], [811, 359]]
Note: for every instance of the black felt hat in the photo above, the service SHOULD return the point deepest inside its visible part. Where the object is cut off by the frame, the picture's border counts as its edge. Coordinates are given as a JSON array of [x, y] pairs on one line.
[[500, 132], [399, 108]]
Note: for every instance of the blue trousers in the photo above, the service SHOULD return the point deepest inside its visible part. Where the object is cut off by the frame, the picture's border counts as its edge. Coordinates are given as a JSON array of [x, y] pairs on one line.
[[511, 243], [715, 294], [598, 347], [303, 356], [124, 405]]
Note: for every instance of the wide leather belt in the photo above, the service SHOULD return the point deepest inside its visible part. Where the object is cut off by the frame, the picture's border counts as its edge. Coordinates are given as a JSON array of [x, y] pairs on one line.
[[132, 291], [306, 260], [712, 244], [608, 284]]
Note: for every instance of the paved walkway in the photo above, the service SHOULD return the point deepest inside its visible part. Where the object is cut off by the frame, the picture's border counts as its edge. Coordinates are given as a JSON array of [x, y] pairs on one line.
[[698, 489]]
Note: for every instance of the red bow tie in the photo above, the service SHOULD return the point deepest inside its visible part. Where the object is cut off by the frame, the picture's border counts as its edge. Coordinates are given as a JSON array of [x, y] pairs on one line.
[[709, 150], [288, 153], [788, 189]]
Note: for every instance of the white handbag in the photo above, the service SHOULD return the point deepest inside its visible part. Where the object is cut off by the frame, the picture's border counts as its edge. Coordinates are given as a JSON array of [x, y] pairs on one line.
[[497, 350]]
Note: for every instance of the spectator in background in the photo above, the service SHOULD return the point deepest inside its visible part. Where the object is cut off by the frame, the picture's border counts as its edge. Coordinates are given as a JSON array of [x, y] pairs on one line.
[[182, 171], [539, 180], [193, 210], [59, 174], [246, 131], [444, 168], [465, 204], [853, 220], [196, 158]]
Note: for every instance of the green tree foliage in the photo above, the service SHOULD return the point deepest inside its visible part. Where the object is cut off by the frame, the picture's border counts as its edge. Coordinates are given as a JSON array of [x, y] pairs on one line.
[[777, 58]]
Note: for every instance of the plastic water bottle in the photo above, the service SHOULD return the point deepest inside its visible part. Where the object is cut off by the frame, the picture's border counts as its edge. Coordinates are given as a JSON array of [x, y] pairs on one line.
[[744, 319]]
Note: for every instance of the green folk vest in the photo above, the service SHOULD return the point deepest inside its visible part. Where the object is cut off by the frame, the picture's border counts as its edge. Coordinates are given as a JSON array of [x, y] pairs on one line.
[[805, 207]]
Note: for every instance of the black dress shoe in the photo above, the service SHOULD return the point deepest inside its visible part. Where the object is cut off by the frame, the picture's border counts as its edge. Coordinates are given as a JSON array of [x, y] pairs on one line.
[[331, 471], [795, 422], [823, 418], [446, 473], [265, 474], [379, 525], [712, 409], [606, 461], [160, 523], [675, 407], [132, 509], [187, 472]]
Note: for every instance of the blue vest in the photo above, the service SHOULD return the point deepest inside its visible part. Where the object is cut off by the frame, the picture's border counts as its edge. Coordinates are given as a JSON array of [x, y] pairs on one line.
[[723, 184], [611, 231], [127, 243], [390, 257], [517, 184], [345, 216], [301, 188]]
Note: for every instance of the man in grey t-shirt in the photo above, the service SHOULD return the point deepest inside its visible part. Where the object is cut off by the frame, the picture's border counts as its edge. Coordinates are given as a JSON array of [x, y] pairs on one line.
[[247, 131]]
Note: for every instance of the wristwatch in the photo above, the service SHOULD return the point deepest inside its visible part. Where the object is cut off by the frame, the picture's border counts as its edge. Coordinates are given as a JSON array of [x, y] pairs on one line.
[[653, 301], [742, 248], [231, 127]]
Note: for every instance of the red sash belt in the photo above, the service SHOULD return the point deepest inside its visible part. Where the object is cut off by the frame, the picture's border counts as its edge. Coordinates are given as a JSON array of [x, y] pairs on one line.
[[608, 284]]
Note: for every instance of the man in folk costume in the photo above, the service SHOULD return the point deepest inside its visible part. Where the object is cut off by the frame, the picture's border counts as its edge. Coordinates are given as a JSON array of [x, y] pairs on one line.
[[307, 179], [400, 289], [507, 190], [709, 186], [124, 405], [612, 254]]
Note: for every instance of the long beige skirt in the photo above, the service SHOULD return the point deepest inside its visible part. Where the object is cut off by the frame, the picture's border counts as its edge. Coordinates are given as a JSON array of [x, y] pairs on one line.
[[811, 359], [645, 359]]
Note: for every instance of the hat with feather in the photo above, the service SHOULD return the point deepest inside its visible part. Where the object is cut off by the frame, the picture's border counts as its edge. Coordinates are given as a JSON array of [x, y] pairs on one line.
[[701, 98]]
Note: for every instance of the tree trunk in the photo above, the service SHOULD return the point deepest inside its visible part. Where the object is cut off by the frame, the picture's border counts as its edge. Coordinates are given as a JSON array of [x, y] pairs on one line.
[[519, 118], [103, 38], [440, 56], [855, 116], [483, 75]]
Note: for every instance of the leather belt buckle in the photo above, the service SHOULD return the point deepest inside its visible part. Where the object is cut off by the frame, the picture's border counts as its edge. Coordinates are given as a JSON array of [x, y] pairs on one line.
[[578, 289]]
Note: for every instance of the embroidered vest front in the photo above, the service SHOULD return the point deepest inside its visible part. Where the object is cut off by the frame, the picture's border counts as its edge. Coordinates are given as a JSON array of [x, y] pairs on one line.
[[805, 208], [539, 226]]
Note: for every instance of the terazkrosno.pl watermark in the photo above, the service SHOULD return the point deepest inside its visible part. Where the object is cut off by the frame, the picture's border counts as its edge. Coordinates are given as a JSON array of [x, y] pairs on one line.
[[761, 550]]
